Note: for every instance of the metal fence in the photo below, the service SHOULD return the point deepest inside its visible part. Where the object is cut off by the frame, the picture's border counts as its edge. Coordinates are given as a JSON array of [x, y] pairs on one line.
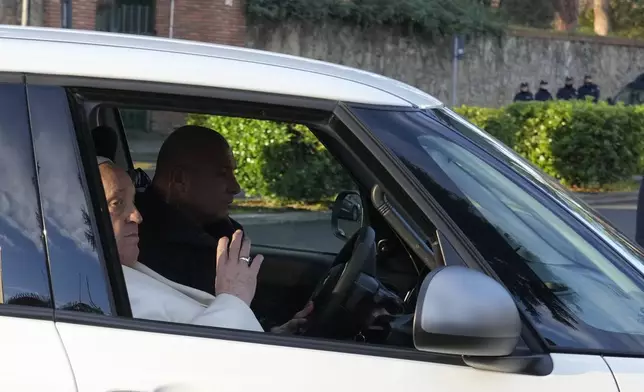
[[126, 16]]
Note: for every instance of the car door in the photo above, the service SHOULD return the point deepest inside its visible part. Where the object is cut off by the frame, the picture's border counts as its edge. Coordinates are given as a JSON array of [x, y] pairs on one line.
[[629, 372], [33, 357], [110, 351]]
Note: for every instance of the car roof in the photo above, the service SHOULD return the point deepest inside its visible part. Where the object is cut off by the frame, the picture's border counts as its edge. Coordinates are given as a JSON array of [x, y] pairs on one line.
[[94, 54]]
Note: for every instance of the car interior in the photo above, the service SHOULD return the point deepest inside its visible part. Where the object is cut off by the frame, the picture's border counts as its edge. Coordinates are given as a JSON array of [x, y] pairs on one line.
[[367, 292]]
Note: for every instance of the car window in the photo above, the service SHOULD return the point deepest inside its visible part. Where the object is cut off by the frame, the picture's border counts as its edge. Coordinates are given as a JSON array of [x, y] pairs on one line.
[[77, 270], [578, 293], [23, 269], [287, 179]]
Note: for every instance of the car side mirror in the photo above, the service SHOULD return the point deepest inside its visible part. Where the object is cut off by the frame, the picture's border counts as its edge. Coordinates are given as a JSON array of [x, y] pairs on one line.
[[461, 311], [347, 214]]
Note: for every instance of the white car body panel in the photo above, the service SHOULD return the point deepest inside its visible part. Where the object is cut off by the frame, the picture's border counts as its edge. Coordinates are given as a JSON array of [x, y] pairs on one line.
[[33, 358], [628, 372], [144, 361], [131, 57]]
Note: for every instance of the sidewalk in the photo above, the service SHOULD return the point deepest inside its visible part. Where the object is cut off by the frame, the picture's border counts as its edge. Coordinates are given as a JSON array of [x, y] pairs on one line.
[[267, 218]]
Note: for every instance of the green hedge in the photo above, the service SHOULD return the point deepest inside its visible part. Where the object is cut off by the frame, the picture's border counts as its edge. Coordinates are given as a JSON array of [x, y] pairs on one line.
[[423, 17], [580, 143], [279, 161]]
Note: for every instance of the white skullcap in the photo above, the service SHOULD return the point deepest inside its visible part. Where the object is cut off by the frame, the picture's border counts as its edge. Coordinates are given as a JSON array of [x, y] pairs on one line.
[[102, 160]]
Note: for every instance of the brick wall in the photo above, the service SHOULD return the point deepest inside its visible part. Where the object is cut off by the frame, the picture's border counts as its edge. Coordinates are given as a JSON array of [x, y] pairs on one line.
[[218, 21], [83, 14], [10, 12], [52, 13]]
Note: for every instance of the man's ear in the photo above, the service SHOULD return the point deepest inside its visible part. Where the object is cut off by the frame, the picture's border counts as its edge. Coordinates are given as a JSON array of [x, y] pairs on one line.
[[178, 181]]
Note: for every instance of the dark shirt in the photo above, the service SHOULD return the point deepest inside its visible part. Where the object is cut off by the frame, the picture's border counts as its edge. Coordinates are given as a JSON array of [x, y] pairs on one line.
[[175, 247], [589, 90], [567, 93], [543, 95], [523, 96]]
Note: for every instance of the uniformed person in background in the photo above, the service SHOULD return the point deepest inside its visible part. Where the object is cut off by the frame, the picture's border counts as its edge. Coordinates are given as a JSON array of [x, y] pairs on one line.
[[567, 92], [588, 89], [543, 94], [524, 93]]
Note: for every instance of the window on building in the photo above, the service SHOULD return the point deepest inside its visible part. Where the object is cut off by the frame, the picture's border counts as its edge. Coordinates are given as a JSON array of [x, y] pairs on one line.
[[126, 16]]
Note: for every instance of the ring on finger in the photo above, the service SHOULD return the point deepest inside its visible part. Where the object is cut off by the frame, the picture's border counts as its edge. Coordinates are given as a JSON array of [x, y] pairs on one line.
[[246, 260]]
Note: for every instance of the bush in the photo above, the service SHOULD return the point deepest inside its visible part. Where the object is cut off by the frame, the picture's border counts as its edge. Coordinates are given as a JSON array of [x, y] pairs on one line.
[[278, 161], [423, 17], [580, 143], [496, 122]]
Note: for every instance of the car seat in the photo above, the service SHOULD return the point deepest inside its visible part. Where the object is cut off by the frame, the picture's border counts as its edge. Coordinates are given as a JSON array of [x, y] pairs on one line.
[[106, 143]]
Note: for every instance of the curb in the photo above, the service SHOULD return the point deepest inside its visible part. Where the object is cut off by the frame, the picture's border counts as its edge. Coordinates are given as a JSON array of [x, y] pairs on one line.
[[283, 217], [602, 199]]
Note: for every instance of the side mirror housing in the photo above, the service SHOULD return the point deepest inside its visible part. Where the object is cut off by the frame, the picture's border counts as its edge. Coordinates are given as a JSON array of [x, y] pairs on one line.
[[348, 213], [462, 311]]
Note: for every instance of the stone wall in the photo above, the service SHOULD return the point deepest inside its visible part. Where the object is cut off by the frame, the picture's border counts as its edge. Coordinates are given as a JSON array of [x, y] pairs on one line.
[[490, 72], [11, 12]]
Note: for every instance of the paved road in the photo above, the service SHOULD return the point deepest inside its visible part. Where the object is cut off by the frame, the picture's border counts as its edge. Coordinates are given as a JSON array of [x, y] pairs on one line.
[[317, 235]]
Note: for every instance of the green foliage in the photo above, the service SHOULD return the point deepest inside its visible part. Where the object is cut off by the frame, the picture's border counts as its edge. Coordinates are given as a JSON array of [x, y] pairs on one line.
[[424, 17], [626, 18], [580, 143], [278, 161], [496, 122]]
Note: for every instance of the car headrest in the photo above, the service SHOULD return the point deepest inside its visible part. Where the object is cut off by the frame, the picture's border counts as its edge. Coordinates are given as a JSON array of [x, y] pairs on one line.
[[105, 141]]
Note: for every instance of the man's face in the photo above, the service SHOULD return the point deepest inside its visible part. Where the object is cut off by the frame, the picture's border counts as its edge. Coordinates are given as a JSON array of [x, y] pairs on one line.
[[211, 185], [524, 88], [119, 192], [588, 80]]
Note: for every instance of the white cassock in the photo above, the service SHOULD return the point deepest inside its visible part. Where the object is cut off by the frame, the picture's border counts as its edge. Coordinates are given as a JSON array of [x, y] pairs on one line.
[[154, 297]]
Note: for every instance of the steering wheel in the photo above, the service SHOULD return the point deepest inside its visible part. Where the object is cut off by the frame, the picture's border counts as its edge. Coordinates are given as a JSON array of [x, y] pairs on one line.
[[357, 259]]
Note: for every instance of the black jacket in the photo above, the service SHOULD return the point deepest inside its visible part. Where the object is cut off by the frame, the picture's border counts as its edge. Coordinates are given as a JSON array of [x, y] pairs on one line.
[[589, 90], [567, 93], [543, 95], [523, 96], [175, 247]]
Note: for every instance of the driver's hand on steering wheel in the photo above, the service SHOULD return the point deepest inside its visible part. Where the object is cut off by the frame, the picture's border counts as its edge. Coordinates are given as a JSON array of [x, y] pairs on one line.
[[293, 326]]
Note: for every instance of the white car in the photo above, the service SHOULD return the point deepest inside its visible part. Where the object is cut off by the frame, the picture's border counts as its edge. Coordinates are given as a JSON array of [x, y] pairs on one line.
[[499, 279]]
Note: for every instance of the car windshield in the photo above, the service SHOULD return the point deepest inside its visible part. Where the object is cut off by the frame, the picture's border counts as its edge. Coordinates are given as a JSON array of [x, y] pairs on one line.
[[544, 244]]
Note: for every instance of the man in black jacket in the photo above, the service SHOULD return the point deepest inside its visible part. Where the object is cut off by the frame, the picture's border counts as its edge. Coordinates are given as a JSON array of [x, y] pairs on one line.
[[568, 91], [543, 94], [185, 210], [524, 94], [588, 89]]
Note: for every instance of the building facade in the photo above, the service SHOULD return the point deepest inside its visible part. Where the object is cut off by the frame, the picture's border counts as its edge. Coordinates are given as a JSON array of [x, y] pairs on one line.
[[219, 21], [216, 21]]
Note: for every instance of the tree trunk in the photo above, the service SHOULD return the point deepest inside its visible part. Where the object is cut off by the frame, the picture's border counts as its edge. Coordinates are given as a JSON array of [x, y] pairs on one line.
[[566, 14], [602, 18]]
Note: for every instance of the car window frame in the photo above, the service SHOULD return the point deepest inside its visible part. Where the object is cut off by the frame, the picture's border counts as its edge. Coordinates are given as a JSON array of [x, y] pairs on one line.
[[22, 311], [150, 326]]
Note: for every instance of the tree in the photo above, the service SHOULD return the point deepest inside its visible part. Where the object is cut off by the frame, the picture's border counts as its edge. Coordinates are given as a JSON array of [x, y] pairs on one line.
[[566, 14], [601, 9]]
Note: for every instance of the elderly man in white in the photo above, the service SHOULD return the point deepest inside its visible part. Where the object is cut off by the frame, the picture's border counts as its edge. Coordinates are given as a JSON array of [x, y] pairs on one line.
[[154, 297]]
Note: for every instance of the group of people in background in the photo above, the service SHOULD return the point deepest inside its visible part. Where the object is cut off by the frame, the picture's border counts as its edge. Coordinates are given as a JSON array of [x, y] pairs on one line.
[[567, 92]]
